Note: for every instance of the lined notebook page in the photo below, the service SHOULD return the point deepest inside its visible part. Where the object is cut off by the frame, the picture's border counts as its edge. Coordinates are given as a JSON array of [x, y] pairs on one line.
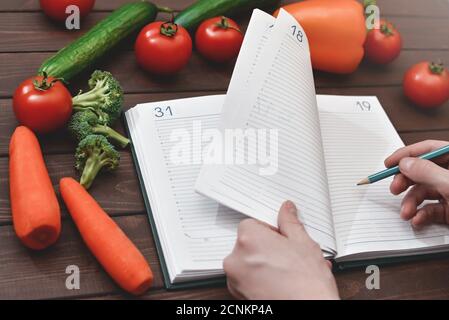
[[357, 137], [280, 96], [196, 232], [256, 38]]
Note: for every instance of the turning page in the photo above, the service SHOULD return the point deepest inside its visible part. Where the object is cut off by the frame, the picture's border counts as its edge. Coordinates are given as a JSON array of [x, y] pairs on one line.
[[357, 137], [273, 149]]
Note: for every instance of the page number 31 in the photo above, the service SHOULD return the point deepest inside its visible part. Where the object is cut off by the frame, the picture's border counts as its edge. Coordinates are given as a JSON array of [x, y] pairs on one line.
[[161, 112]]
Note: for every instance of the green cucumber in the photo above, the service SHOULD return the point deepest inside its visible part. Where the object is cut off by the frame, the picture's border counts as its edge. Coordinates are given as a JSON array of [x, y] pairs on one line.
[[87, 49], [205, 9]]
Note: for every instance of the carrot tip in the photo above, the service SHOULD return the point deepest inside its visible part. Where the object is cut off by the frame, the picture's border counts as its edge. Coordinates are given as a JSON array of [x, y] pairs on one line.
[[143, 287], [41, 238]]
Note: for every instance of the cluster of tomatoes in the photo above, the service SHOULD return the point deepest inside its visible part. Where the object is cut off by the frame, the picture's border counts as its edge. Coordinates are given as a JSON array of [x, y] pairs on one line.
[[165, 48], [426, 83]]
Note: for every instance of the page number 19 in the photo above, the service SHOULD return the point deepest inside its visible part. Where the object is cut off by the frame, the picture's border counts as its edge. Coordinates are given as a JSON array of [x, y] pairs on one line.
[[364, 105]]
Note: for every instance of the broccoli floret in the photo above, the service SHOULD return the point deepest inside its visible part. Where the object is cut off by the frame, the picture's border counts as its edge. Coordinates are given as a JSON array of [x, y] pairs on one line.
[[95, 153], [86, 123], [105, 97]]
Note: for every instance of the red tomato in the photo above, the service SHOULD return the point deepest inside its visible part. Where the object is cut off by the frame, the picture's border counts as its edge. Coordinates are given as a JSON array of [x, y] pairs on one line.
[[219, 39], [55, 9], [427, 84], [383, 44], [163, 48], [42, 104]]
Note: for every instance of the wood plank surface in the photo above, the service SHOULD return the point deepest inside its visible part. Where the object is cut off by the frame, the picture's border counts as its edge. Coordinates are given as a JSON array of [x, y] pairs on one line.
[[27, 37], [432, 8], [42, 274], [16, 35], [27, 274], [199, 75]]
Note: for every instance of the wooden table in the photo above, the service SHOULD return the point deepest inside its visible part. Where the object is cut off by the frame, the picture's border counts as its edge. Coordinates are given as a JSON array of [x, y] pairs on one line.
[[27, 38]]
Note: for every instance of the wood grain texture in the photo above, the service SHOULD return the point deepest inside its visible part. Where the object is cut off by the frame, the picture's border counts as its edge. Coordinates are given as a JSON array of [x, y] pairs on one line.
[[27, 274], [41, 275], [100, 5], [220, 293], [27, 37], [33, 32], [432, 8], [400, 281], [199, 75]]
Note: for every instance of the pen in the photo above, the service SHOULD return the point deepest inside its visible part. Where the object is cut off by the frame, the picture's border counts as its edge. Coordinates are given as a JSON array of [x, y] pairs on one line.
[[395, 170]]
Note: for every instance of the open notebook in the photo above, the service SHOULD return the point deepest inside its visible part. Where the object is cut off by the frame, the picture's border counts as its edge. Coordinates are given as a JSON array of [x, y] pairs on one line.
[[323, 145]]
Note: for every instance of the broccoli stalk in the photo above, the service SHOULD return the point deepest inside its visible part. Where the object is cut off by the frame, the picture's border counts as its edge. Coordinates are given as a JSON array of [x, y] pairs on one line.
[[111, 134], [105, 97], [95, 153], [86, 123]]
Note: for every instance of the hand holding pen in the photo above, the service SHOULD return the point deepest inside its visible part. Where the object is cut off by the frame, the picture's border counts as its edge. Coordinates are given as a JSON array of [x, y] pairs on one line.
[[429, 180]]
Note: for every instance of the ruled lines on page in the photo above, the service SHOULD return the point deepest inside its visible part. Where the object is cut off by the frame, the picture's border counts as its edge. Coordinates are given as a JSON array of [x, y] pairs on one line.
[[257, 36], [282, 98], [195, 232], [209, 228], [357, 137]]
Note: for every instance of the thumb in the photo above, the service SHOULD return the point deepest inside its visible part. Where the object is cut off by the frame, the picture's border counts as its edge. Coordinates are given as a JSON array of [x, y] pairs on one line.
[[426, 172], [288, 222]]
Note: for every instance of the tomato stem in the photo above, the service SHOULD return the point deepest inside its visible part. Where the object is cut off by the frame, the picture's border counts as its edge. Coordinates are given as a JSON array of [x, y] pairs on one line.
[[386, 29], [436, 68], [169, 29], [224, 24], [44, 85]]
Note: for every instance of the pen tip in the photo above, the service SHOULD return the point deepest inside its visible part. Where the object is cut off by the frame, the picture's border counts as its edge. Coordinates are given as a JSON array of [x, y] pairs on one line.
[[364, 181]]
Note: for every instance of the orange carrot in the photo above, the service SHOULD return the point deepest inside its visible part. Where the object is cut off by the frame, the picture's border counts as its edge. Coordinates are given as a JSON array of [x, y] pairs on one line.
[[116, 253], [35, 209]]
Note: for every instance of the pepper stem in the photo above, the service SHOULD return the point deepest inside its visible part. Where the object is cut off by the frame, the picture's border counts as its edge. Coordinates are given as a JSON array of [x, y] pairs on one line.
[[367, 3]]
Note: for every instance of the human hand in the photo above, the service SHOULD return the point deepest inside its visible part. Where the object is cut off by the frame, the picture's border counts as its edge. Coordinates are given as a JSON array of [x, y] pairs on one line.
[[428, 181], [267, 263]]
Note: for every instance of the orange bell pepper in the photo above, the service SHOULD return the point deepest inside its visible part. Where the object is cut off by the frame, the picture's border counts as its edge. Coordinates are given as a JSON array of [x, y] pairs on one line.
[[336, 32]]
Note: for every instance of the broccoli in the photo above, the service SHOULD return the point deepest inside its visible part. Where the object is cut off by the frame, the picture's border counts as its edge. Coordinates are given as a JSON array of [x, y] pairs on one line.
[[86, 123], [95, 153], [105, 97]]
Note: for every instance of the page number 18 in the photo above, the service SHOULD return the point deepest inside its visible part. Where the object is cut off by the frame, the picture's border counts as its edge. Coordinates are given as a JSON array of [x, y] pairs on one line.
[[297, 33]]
